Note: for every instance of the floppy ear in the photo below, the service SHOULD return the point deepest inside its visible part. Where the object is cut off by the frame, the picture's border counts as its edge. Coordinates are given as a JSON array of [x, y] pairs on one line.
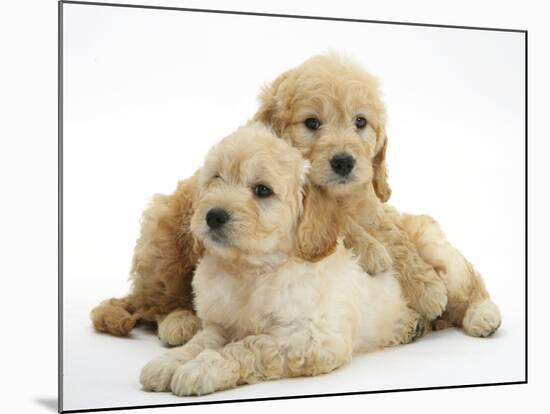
[[272, 103], [317, 229], [380, 177]]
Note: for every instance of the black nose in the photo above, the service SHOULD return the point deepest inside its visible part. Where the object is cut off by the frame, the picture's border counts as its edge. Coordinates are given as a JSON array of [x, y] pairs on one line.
[[216, 218], [342, 164]]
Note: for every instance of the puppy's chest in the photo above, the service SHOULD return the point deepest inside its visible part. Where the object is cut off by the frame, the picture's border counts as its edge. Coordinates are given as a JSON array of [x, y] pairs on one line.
[[248, 305]]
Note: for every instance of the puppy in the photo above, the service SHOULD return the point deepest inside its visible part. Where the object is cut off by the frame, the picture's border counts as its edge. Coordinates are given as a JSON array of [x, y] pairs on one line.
[[266, 312], [330, 110]]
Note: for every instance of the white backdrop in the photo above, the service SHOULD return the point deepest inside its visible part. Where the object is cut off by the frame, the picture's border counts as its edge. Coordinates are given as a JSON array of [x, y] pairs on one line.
[[28, 167], [148, 92]]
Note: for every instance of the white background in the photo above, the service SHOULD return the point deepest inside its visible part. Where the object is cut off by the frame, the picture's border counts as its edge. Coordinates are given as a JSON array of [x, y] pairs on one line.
[[30, 227], [147, 92]]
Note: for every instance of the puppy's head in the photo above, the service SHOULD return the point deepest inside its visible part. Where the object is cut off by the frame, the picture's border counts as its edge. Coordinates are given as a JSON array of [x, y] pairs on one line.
[[330, 109], [250, 196]]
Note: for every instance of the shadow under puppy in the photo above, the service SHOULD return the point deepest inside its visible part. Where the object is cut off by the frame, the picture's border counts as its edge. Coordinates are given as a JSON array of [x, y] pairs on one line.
[[330, 109], [266, 312]]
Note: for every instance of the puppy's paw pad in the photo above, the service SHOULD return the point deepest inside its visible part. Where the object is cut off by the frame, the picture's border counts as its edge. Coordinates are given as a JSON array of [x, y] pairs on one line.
[[203, 375], [157, 374], [178, 327], [482, 320]]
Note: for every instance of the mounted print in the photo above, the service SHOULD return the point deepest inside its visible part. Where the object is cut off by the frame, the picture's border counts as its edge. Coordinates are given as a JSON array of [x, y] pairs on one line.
[[260, 206]]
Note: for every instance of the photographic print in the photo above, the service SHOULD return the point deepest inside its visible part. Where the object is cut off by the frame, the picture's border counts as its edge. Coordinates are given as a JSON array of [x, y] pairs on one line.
[[263, 206]]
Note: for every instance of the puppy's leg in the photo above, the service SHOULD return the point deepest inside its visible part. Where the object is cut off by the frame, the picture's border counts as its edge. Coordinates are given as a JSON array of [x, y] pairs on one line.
[[116, 316], [423, 288], [469, 305], [421, 285], [259, 358], [158, 373], [373, 256], [178, 327]]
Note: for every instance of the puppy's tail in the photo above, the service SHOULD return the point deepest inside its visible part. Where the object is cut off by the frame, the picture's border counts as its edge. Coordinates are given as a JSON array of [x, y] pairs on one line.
[[115, 316]]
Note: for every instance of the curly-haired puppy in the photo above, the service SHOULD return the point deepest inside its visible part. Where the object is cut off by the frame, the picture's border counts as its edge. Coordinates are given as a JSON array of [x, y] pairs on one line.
[[330, 109], [266, 312]]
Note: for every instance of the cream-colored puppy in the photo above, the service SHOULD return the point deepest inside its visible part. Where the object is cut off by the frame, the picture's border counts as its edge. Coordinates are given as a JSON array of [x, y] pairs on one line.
[[266, 312], [331, 109]]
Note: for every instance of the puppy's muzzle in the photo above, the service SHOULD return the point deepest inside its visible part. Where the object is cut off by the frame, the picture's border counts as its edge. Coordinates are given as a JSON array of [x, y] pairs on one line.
[[216, 218], [342, 164]]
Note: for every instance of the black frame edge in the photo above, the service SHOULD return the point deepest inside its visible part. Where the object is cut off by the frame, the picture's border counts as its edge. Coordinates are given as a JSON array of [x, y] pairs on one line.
[[60, 206], [526, 210], [292, 16], [297, 397]]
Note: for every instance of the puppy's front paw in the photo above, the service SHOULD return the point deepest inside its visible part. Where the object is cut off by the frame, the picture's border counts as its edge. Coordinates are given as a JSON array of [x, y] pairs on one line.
[[178, 327], [430, 299], [157, 374], [375, 259], [205, 374]]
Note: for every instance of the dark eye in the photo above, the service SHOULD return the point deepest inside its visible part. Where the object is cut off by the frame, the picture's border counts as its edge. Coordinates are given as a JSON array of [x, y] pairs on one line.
[[360, 122], [262, 191], [217, 175], [312, 123]]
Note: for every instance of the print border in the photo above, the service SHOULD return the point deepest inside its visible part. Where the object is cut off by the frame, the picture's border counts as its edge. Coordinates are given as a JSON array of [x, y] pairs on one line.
[[274, 15]]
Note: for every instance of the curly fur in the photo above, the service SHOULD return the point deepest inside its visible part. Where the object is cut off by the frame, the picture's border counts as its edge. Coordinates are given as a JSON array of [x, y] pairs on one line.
[[165, 256], [268, 313], [469, 304], [336, 91], [332, 88]]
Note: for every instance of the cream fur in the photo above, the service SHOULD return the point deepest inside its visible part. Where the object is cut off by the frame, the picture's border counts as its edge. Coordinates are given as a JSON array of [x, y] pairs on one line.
[[336, 91], [430, 270], [435, 278], [469, 304], [165, 256], [268, 313]]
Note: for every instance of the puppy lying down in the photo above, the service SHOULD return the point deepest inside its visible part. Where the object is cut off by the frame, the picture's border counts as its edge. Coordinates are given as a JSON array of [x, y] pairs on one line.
[[267, 313]]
